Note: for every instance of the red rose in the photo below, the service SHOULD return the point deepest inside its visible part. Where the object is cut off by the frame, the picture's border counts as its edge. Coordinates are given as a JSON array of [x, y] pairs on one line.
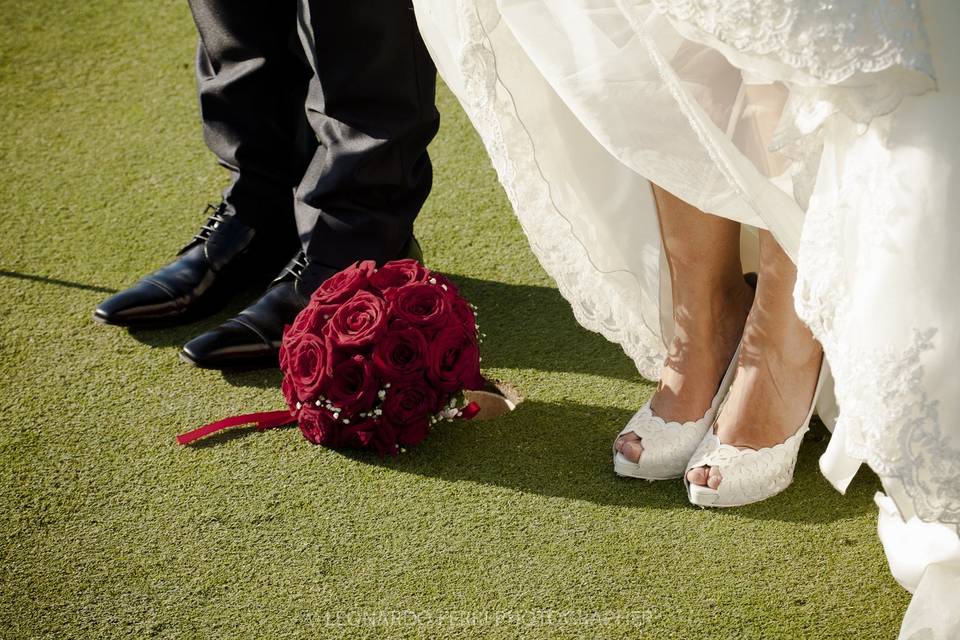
[[407, 409], [369, 434], [454, 361], [465, 314], [353, 386], [444, 283], [421, 304], [359, 321], [312, 319], [342, 285], [385, 440], [401, 354], [399, 273], [284, 350], [317, 426], [290, 393], [306, 366]]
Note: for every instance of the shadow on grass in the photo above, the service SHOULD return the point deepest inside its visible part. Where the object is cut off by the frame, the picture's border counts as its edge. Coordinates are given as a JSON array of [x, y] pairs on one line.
[[556, 450], [225, 436], [532, 327], [69, 284], [259, 378], [563, 451]]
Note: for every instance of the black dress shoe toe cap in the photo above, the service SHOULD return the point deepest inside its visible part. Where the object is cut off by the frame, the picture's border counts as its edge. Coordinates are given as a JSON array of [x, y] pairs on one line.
[[232, 345], [141, 303]]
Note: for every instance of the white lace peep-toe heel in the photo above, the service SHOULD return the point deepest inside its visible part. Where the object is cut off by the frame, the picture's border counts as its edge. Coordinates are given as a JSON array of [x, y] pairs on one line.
[[748, 475], [667, 445]]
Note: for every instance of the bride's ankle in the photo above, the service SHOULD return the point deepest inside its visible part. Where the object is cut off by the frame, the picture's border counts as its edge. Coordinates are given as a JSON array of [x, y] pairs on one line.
[[783, 338], [720, 311]]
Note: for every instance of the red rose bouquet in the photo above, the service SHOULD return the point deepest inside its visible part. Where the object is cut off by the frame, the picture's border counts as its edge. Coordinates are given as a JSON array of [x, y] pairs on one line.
[[376, 358]]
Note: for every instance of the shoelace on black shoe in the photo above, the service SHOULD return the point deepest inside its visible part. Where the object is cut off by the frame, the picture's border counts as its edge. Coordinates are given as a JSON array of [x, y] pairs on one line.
[[215, 218], [294, 268]]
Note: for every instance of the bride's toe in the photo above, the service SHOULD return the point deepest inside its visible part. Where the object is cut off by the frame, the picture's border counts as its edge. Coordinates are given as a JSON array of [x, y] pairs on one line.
[[698, 475], [629, 447], [713, 477], [704, 476]]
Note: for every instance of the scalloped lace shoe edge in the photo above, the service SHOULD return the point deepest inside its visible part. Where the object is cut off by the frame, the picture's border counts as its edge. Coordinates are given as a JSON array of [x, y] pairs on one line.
[[667, 446], [748, 475]]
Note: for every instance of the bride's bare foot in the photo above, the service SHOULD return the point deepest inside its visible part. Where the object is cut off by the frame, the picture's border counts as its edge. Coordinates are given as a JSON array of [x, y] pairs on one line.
[[776, 372], [707, 334]]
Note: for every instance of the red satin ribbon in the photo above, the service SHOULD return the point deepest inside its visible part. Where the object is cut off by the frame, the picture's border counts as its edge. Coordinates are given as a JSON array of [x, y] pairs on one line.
[[264, 420], [470, 411]]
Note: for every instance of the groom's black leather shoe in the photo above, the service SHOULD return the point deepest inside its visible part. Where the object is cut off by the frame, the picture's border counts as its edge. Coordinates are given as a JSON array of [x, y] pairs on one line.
[[224, 258], [251, 339]]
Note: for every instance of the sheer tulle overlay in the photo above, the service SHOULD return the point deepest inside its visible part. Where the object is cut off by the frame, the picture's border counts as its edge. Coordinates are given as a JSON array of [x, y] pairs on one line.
[[833, 125]]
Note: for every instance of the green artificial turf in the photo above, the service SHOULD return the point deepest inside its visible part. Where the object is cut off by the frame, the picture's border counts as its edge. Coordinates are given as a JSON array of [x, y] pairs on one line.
[[487, 530]]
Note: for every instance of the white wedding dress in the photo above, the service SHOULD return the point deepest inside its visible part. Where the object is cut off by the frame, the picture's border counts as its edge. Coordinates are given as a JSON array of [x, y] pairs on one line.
[[835, 125]]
